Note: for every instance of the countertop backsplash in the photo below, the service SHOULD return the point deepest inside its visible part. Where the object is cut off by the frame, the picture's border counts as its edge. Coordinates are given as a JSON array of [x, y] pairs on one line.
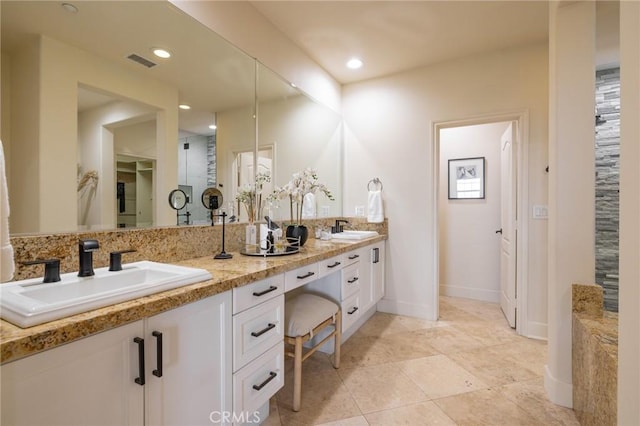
[[159, 244]]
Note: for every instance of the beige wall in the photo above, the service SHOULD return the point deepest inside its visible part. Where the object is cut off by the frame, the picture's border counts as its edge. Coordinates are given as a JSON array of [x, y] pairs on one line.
[[629, 317], [5, 113], [467, 227], [21, 137], [389, 134], [571, 179]]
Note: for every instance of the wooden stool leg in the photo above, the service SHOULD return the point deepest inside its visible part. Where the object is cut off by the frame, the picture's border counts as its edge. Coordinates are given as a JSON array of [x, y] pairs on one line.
[[297, 374], [338, 339]]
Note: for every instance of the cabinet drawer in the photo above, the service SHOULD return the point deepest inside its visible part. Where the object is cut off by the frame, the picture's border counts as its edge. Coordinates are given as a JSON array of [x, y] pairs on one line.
[[351, 257], [330, 265], [350, 280], [256, 330], [258, 381], [248, 296], [301, 276], [350, 311]]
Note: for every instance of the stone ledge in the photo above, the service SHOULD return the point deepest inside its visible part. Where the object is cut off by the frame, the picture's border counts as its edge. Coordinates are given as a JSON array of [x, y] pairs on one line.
[[594, 357]]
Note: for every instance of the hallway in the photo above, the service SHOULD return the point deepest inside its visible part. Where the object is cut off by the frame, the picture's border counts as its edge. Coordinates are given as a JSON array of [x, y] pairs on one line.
[[468, 368]]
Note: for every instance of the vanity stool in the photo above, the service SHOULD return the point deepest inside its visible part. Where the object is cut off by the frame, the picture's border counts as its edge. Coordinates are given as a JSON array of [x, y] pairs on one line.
[[305, 316]]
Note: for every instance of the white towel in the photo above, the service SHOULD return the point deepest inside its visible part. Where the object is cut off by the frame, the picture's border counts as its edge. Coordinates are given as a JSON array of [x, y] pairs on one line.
[[6, 250], [375, 210], [309, 206]]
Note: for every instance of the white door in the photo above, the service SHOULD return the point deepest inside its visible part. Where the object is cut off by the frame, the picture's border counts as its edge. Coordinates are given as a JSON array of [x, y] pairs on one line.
[[507, 223]]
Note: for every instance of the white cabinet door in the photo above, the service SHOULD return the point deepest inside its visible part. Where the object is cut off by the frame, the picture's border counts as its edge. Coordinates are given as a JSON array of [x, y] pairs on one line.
[[88, 382], [366, 284], [371, 275], [377, 270], [194, 384]]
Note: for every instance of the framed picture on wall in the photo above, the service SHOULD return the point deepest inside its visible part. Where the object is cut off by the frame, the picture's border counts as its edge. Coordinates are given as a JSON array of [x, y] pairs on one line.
[[466, 178]]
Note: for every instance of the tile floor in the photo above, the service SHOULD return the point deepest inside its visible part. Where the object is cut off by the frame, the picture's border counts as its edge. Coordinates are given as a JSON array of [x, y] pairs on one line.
[[469, 368]]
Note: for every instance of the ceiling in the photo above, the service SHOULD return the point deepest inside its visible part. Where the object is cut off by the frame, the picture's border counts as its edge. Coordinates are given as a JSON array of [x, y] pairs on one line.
[[393, 36]]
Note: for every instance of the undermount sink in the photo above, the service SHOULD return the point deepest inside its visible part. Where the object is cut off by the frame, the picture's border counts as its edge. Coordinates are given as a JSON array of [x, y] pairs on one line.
[[354, 235], [31, 302]]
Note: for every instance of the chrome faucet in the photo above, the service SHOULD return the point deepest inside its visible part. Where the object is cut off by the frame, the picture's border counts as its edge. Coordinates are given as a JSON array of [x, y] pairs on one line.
[[85, 255], [338, 228]]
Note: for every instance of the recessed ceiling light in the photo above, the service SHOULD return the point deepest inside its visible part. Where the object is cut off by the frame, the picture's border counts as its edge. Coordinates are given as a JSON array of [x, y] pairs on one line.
[[184, 106], [354, 63], [69, 7], [293, 85], [161, 53], [213, 126]]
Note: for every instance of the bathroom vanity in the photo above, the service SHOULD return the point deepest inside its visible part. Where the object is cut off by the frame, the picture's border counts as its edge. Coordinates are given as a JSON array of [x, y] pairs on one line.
[[207, 352]]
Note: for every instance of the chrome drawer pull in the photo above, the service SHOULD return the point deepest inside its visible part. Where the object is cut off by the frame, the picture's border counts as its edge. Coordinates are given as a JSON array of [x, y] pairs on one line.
[[307, 275], [264, 330], [262, 293], [272, 376]]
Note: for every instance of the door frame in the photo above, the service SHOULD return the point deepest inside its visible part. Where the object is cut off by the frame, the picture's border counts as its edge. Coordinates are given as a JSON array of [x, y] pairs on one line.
[[521, 117]]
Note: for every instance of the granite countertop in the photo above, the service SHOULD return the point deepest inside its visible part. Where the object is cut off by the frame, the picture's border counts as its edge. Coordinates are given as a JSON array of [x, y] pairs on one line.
[[587, 306], [16, 342], [603, 329]]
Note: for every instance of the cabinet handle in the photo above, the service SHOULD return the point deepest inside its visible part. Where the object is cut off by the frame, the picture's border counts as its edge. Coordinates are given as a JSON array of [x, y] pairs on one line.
[[264, 330], [262, 293], [140, 342], [353, 311], [333, 265], [272, 376], [376, 255], [353, 280], [307, 275], [354, 256], [158, 336]]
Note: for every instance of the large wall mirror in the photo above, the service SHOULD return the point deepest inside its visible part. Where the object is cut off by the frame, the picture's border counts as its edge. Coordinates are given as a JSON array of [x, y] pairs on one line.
[[92, 131], [296, 133]]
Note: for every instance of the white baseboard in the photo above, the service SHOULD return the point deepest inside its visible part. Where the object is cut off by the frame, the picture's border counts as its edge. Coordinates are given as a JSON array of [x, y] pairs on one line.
[[536, 330], [408, 309], [470, 293], [559, 392]]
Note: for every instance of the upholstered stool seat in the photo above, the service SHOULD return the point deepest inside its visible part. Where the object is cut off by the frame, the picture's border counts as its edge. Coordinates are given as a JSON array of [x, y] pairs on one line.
[[305, 316]]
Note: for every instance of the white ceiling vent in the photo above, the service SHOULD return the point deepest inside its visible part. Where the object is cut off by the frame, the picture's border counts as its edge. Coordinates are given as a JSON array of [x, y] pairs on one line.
[[142, 61]]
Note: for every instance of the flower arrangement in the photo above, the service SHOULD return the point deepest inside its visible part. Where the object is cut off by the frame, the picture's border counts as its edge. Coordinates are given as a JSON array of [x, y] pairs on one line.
[[251, 196], [301, 184]]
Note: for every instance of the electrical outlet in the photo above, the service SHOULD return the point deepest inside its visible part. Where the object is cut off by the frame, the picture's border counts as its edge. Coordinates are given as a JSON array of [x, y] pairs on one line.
[[359, 210], [324, 211]]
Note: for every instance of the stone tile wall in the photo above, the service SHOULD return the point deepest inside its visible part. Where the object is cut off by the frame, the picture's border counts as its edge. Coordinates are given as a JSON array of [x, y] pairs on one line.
[[607, 183]]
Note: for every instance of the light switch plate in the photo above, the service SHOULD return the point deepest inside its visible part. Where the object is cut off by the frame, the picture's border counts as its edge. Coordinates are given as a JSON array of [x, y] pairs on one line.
[[540, 212], [359, 210], [324, 211]]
